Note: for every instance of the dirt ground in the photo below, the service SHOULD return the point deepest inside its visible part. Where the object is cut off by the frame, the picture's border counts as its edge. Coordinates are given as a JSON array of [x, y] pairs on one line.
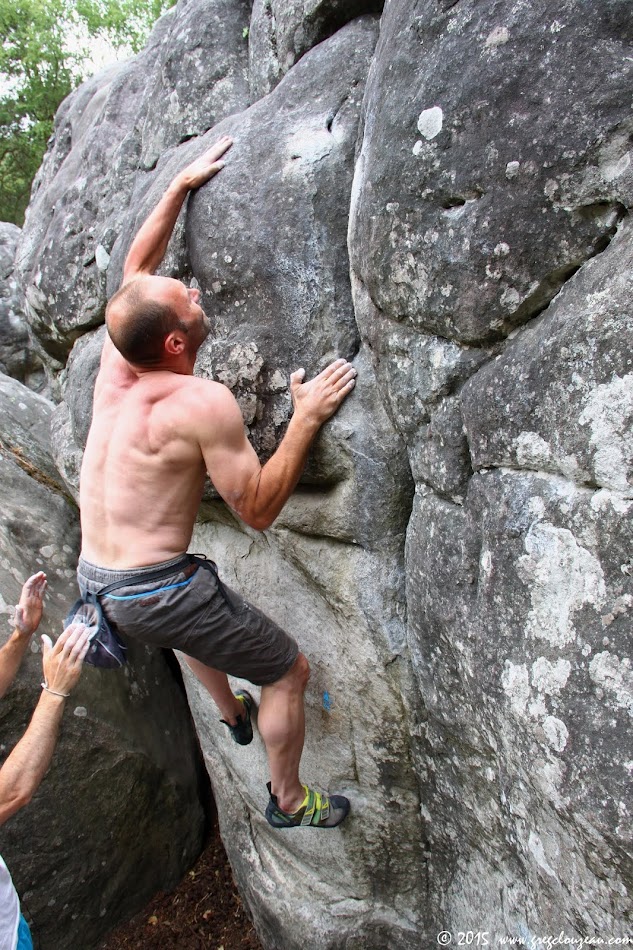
[[203, 913]]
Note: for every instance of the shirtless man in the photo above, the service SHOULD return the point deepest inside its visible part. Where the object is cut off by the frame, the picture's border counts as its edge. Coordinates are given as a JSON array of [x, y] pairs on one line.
[[156, 430]]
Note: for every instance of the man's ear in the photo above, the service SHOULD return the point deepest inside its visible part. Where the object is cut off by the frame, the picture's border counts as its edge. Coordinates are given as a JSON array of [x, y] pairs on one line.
[[174, 343]]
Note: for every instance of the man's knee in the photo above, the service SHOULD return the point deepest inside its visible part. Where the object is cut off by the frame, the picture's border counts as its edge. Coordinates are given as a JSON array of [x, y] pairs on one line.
[[299, 673]]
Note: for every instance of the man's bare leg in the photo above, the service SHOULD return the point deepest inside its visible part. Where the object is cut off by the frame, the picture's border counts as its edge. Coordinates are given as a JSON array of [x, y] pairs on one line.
[[281, 723], [218, 685]]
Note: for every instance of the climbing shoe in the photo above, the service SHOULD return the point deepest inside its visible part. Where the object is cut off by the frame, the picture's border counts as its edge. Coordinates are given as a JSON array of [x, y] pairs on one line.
[[242, 731], [317, 811]]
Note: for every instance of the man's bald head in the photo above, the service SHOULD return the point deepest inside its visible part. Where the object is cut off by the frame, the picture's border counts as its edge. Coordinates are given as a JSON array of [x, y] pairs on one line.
[[139, 322]]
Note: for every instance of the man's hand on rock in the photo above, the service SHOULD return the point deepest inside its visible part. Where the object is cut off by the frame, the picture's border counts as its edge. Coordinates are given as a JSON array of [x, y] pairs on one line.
[[207, 165], [28, 612], [318, 399]]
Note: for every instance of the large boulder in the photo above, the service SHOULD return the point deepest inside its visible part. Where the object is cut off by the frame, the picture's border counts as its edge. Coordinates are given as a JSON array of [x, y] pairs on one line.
[[120, 802], [456, 561], [494, 177]]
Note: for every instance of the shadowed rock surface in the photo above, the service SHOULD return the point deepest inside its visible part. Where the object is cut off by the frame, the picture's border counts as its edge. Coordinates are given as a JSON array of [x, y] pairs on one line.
[[441, 194]]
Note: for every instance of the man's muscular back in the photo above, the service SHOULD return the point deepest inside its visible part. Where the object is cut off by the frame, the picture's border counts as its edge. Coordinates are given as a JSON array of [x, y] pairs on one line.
[[143, 471]]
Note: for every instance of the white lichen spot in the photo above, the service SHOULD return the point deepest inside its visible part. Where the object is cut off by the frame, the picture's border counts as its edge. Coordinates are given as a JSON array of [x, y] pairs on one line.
[[228, 259], [614, 170], [80, 712], [555, 732], [537, 708], [614, 677], [417, 148], [102, 258], [603, 499], [538, 852], [216, 286], [446, 290], [502, 249], [516, 684], [430, 122], [47, 551], [555, 27], [510, 298], [498, 37], [563, 577], [532, 451], [551, 187], [512, 169], [609, 413], [550, 678]]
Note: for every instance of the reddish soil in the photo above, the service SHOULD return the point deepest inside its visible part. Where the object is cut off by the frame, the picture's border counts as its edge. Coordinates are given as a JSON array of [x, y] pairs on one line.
[[203, 913]]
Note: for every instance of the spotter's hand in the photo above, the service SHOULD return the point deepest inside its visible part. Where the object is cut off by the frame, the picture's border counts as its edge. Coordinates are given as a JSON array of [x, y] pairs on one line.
[[28, 613]]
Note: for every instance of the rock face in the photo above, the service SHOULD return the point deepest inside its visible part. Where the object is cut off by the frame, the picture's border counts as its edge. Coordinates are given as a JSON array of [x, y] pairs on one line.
[[16, 355], [442, 195], [123, 786]]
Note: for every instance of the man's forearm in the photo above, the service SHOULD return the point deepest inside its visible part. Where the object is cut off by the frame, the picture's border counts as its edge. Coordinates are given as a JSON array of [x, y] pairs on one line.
[[11, 655], [278, 478], [150, 244], [26, 766]]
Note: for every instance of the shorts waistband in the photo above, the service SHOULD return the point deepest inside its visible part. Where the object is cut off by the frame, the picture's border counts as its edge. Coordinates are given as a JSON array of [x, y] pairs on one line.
[[106, 575]]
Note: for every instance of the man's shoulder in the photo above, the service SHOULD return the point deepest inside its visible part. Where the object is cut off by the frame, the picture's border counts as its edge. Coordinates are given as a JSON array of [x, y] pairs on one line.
[[203, 391]]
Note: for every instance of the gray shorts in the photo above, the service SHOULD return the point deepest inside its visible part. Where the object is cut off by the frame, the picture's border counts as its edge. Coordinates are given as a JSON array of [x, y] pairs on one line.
[[193, 611]]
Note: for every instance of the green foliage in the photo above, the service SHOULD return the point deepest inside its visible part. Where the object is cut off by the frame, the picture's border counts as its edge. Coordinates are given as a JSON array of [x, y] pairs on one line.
[[46, 52]]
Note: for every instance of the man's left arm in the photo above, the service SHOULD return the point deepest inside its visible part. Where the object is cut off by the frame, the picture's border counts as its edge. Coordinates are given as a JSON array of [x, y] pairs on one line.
[[28, 614], [150, 244]]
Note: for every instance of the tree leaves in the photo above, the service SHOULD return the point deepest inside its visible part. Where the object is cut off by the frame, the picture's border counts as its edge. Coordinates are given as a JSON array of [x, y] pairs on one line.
[[46, 52]]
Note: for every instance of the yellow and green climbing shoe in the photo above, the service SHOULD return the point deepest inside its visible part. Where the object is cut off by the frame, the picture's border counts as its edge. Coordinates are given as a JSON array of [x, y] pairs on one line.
[[316, 811]]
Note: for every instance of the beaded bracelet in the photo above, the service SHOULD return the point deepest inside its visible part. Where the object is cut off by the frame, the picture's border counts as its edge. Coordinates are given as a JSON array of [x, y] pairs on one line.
[[54, 691]]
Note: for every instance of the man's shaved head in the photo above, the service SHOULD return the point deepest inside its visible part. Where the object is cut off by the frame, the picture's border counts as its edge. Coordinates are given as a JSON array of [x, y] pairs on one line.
[[139, 323]]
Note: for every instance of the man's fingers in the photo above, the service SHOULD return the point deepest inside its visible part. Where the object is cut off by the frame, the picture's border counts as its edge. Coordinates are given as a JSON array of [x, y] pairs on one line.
[[340, 374], [219, 148], [47, 645], [297, 377]]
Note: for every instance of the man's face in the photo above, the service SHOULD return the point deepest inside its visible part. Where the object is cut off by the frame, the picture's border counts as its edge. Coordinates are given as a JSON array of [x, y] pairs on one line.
[[185, 303], [194, 318]]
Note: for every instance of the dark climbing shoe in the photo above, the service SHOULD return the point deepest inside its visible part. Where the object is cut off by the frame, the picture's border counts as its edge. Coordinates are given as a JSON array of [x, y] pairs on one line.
[[242, 731], [316, 811]]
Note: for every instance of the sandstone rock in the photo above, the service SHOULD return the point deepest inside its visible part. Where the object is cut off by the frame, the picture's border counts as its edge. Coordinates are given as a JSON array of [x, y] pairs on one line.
[[560, 398], [282, 31], [470, 691], [493, 162], [519, 608], [123, 784], [17, 358]]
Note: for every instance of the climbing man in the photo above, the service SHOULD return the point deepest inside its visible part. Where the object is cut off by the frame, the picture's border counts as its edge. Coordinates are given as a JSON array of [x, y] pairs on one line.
[[26, 765], [156, 430]]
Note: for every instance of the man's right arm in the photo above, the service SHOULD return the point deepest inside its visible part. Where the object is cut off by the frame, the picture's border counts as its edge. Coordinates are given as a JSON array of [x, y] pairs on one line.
[[258, 493]]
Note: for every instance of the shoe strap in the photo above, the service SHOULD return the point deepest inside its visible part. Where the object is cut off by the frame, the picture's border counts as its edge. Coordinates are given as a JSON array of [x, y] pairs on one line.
[[317, 807]]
